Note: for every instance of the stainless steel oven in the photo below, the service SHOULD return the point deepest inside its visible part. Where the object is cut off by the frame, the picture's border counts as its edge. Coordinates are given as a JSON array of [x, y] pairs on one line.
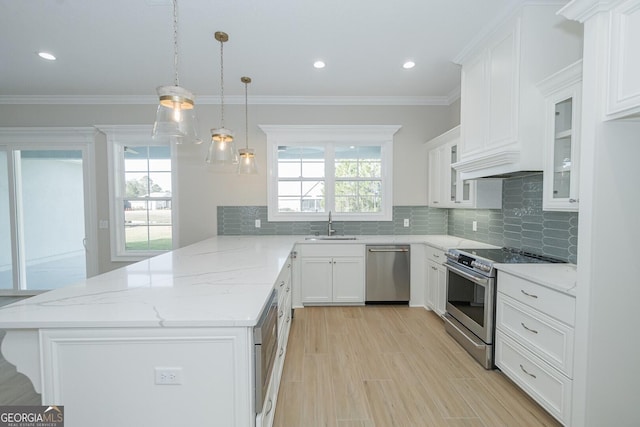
[[470, 309], [471, 293], [265, 338]]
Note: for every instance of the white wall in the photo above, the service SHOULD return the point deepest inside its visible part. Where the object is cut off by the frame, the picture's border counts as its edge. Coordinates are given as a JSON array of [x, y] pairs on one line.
[[201, 190]]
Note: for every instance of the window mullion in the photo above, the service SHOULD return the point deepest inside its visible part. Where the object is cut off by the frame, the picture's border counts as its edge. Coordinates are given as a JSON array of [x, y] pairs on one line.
[[330, 176]]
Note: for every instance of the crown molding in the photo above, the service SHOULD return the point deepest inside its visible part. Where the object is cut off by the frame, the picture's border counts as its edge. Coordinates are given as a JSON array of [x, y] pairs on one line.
[[48, 134], [583, 10], [231, 100]]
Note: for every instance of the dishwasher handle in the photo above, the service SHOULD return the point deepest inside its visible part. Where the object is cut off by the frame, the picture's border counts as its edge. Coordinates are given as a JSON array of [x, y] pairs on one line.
[[389, 250]]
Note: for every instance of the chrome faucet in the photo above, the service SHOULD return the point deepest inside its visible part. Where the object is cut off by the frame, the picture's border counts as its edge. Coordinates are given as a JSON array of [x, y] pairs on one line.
[[330, 230]]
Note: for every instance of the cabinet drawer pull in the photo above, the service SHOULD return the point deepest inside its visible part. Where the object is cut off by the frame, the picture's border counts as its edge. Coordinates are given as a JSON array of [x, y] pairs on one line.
[[288, 288], [573, 200], [281, 352], [282, 283], [436, 256], [434, 268], [525, 371], [529, 295], [269, 407], [281, 313], [528, 329]]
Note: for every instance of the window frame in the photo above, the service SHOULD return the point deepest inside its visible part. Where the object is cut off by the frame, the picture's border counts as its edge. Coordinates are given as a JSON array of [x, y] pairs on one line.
[[119, 136], [330, 136]]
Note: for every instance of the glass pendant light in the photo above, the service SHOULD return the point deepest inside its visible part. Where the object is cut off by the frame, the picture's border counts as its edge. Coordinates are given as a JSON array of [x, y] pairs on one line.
[[176, 116], [222, 150], [247, 161]]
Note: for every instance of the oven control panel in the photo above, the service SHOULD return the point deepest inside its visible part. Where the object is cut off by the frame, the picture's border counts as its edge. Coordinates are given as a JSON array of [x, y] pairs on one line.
[[468, 261]]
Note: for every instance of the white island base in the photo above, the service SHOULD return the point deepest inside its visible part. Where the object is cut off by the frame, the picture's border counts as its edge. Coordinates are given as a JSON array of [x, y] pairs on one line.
[[108, 377]]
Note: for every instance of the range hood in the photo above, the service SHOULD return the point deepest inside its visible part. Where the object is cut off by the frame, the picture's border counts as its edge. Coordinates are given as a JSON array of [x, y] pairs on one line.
[[503, 164]]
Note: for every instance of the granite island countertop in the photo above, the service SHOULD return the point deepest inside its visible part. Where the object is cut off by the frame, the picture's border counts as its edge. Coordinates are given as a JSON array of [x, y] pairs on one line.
[[222, 281]]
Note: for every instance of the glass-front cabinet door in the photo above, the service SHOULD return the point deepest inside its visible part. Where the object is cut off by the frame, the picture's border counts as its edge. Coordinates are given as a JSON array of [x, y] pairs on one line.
[[460, 190], [562, 143]]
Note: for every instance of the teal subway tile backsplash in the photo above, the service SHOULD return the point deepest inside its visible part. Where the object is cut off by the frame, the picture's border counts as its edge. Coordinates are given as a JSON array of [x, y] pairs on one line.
[[240, 220], [521, 223]]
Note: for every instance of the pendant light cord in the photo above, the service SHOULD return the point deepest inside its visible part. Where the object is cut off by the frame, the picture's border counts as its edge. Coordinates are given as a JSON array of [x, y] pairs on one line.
[[246, 115], [175, 42], [222, 82]]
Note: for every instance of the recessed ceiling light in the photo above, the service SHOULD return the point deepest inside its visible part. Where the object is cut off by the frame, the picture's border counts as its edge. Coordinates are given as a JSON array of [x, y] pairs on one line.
[[319, 64], [408, 64], [47, 56]]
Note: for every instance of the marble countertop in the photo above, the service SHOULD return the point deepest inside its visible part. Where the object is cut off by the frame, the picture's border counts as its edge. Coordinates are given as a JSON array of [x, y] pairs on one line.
[[223, 281], [560, 277]]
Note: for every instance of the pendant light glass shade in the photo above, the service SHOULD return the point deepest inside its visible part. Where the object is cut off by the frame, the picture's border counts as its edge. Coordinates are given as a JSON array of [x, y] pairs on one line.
[[176, 117], [222, 150], [247, 160]]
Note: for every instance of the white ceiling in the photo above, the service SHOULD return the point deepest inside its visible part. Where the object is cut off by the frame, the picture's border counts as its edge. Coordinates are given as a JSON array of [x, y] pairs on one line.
[[124, 48]]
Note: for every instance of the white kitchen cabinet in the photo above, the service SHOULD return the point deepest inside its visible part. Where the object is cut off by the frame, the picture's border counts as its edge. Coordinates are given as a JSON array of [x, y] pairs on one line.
[[563, 100], [623, 92], [447, 189], [501, 108], [435, 280], [283, 286], [332, 274], [535, 341], [435, 197]]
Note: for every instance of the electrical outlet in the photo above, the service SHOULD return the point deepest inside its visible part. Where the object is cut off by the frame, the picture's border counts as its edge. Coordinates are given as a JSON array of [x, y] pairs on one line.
[[168, 376], [258, 224], [406, 222], [474, 225]]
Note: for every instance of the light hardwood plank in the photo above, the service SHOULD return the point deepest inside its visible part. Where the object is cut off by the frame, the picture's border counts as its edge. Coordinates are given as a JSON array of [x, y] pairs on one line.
[[391, 365], [318, 405]]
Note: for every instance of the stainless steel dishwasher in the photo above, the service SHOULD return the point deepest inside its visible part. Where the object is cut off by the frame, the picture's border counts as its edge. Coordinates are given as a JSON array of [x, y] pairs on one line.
[[388, 274]]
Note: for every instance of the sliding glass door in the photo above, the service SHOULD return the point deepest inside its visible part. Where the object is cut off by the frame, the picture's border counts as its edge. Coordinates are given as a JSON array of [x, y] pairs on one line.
[[6, 260], [44, 216]]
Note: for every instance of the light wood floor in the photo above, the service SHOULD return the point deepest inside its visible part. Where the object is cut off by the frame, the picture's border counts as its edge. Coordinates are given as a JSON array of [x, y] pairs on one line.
[[391, 366], [15, 388]]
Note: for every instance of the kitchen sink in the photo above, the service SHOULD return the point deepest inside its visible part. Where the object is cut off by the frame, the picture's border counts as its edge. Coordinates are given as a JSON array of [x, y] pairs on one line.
[[330, 238]]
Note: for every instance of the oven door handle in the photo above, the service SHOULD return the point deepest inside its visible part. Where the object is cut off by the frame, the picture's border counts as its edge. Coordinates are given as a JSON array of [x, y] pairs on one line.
[[482, 281]]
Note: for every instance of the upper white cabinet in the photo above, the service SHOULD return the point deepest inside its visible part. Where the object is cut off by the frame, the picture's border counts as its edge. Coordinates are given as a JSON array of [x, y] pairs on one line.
[[563, 102], [623, 96], [501, 106], [447, 189]]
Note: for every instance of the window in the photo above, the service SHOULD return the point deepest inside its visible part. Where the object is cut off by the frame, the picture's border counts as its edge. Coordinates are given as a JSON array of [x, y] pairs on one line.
[[141, 193], [343, 169]]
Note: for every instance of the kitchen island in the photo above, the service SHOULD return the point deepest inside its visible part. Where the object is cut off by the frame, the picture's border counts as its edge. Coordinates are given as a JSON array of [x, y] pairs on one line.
[[99, 347]]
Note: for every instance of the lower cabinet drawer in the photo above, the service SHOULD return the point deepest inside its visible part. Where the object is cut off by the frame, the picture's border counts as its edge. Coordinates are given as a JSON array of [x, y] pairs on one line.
[[546, 337], [544, 384]]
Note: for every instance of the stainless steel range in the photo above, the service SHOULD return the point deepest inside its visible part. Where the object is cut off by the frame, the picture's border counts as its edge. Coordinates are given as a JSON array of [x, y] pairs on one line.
[[471, 291]]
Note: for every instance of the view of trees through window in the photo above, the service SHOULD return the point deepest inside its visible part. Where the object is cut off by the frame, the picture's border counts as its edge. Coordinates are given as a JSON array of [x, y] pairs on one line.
[[358, 182], [304, 176], [147, 198]]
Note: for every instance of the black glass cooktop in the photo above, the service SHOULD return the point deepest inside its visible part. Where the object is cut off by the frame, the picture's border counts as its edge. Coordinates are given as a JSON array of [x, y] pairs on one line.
[[510, 256]]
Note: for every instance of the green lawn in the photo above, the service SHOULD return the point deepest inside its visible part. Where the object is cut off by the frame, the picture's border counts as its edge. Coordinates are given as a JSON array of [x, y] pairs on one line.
[[154, 245]]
